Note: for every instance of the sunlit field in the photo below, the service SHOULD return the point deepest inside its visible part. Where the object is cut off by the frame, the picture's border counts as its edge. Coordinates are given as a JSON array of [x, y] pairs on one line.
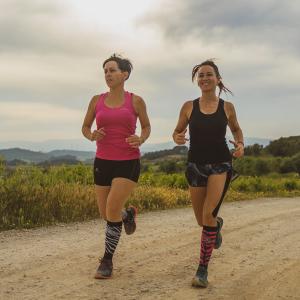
[[34, 196]]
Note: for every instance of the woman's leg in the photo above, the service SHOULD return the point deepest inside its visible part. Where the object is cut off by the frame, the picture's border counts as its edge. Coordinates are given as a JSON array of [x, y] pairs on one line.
[[215, 188], [120, 190], [198, 197], [118, 194], [214, 191], [101, 195]]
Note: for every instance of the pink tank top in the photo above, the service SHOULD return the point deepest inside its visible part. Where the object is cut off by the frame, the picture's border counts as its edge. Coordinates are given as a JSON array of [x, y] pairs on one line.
[[119, 123]]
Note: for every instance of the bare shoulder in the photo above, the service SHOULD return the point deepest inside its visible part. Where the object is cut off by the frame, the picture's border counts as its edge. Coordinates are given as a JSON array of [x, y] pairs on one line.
[[187, 108], [137, 100], [90, 114], [187, 105], [228, 105], [229, 108], [94, 100], [138, 103]]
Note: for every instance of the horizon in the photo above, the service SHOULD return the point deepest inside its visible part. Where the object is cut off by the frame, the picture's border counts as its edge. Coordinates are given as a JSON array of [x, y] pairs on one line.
[[147, 147]]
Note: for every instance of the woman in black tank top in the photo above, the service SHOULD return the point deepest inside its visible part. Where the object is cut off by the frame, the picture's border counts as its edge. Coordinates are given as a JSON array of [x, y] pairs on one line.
[[209, 168]]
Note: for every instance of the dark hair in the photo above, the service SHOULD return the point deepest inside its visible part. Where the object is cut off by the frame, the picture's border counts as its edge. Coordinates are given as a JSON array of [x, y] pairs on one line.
[[210, 62], [124, 64]]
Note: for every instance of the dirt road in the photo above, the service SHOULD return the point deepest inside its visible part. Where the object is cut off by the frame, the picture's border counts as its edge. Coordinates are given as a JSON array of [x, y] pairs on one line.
[[259, 258]]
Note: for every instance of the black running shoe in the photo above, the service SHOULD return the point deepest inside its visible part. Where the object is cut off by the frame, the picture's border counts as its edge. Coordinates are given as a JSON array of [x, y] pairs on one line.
[[129, 220], [218, 241], [200, 279], [105, 269]]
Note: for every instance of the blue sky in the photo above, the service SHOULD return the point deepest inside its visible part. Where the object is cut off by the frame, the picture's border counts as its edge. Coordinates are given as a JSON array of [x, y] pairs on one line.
[[51, 53]]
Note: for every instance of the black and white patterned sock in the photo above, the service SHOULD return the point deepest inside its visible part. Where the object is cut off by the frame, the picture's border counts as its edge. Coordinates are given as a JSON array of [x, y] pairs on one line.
[[112, 236]]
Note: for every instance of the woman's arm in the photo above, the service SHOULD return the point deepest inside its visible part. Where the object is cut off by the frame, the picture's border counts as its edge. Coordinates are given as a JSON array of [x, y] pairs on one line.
[[88, 122], [235, 130], [141, 110], [181, 127]]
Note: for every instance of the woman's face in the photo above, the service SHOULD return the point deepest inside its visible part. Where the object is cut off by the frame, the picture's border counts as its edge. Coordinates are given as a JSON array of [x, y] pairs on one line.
[[207, 79], [113, 75]]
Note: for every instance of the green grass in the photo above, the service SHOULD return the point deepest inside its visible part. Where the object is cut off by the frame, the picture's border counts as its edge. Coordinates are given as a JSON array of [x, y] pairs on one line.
[[32, 196]]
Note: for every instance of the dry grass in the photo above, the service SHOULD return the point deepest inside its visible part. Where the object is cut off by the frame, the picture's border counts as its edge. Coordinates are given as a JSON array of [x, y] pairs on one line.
[[35, 197]]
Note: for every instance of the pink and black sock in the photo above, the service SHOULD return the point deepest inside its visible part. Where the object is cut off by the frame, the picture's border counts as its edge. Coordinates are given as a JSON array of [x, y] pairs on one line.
[[208, 239]]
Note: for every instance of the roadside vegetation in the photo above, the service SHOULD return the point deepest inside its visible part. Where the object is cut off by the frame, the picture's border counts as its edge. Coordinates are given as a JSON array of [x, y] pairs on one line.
[[42, 195]]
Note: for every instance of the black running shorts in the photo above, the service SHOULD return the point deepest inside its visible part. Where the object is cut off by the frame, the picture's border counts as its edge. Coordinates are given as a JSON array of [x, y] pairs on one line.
[[197, 174], [106, 170]]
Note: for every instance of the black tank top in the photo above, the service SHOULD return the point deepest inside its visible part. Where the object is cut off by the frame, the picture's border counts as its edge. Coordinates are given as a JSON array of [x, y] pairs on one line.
[[207, 135]]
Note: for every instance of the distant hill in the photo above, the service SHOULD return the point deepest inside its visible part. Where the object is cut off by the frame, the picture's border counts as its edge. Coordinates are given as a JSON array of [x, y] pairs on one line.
[[50, 145], [23, 154], [18, 154], [87, 146], [79, 155], [170, 145], [176, 151], [60, 160], [146, 147], [29, 156], [252, 140]]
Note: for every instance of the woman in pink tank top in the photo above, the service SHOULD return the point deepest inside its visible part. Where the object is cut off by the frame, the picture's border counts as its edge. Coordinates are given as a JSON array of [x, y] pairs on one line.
[[117, 161]]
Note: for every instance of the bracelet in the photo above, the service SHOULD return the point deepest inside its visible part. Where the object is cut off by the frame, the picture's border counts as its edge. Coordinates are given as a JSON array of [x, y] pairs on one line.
[[240, 142]]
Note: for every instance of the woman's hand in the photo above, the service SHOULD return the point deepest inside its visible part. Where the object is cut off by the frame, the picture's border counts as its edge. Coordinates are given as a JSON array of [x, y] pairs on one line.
[[98, 135], [134, 141], [179, 138], [239, 149]]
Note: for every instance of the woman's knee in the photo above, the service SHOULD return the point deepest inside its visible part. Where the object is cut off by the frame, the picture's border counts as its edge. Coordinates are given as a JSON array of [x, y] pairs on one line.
[[113, 211]]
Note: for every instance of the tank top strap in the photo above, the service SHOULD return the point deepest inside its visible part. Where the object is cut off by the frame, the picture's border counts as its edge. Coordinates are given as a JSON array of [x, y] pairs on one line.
[[195, 109], [221, 109], [195, 103], [129, 101], [100, 102], [196, 106], [221, 103]]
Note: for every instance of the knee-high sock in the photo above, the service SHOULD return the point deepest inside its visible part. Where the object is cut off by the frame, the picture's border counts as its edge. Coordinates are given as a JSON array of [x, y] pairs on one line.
[[208, 239], [112, 236]]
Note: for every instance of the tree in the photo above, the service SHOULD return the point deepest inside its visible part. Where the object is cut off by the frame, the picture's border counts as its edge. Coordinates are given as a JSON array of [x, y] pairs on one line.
[[168, 166], [261, 167], [253, 150], [287, 166], [284, 146], [2, 165], [297, 164], [291, 164]]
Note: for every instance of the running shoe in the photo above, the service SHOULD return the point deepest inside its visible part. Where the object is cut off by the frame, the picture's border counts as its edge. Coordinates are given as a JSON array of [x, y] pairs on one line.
[[218, 241], [105, 269], [200, 279], [129, 220]]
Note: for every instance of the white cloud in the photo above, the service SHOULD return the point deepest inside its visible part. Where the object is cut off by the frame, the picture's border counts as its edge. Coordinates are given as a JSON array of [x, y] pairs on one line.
[[39, 121], [51, 55]]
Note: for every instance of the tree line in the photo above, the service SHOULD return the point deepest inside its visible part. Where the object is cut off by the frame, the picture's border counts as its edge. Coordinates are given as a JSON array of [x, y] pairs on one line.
[[280, 156]]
